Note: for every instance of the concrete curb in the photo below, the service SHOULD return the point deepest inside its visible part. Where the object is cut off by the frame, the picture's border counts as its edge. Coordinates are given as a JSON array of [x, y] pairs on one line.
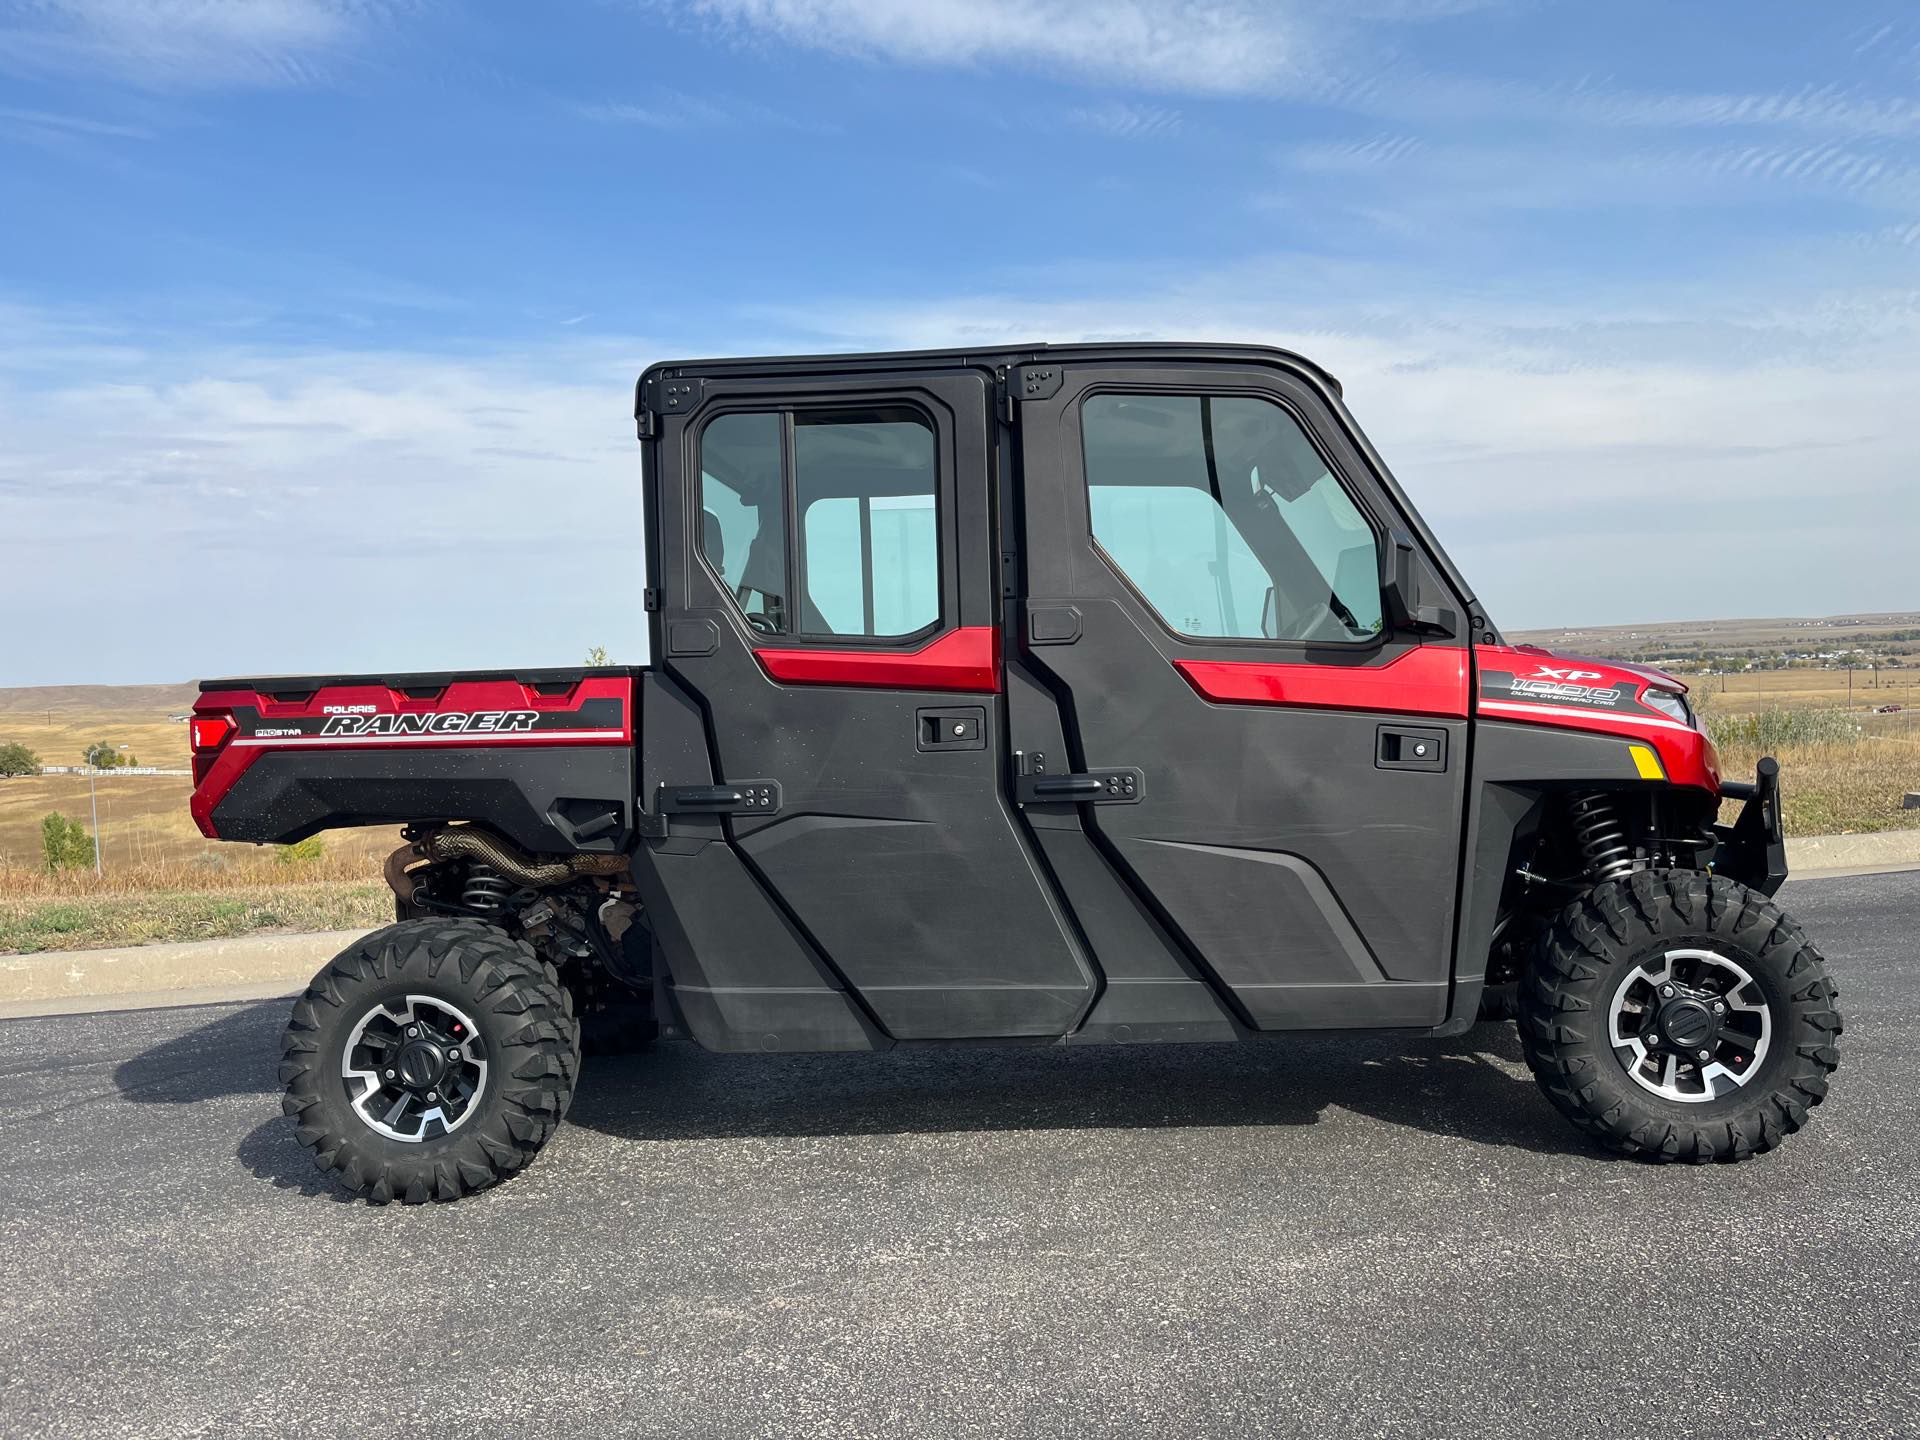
[[61, 982], [256, 967], [1815, 855]]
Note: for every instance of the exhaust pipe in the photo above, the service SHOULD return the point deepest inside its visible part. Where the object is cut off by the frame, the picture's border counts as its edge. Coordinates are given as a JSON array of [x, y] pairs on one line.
[[466, 842]]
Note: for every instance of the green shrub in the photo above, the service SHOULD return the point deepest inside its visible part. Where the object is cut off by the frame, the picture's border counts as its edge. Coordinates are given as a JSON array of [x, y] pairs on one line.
[[17, 759], [58, 919], [65, 844], [1778, 729], [302, 852]]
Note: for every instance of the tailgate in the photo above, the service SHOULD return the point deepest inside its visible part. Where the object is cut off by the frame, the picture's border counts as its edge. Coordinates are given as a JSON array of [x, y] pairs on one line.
[[544, 757]]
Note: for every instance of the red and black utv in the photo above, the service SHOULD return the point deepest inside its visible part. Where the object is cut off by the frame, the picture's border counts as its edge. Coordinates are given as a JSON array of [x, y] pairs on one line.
[[1077, 695]]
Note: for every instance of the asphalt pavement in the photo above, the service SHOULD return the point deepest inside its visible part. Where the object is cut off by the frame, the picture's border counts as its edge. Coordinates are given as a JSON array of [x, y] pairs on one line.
[[1367, 1236]]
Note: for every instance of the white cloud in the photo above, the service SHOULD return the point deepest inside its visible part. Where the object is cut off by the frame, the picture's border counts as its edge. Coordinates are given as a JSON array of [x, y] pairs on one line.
[[1845, 109], [1123, 121], [1363, 154], [310, 501], [1582, 463], [1610, 459], [1200, 46], [46, 122], [185, 44], [677, 110]]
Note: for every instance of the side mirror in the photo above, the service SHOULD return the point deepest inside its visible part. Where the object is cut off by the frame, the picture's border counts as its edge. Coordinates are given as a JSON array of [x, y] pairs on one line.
[[1399, 592]]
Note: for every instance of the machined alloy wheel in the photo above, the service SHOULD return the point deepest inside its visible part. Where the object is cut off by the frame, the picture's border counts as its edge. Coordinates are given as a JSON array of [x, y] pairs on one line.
[[430, 1059], [1690, 1026], [1677, 1015], [414, 1066]]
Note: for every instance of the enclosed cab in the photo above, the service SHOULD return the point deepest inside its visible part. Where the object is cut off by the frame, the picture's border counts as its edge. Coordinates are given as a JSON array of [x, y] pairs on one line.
[[1049, 695]]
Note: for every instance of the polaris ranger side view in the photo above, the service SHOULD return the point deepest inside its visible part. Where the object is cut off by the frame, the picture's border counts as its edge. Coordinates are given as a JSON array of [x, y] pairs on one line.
[[1076, 695]]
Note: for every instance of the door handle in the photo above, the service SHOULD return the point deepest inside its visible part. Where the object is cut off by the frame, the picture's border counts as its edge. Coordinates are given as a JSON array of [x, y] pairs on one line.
[[1123, 786], [759, 797], [1063, 787], [1410, 747]]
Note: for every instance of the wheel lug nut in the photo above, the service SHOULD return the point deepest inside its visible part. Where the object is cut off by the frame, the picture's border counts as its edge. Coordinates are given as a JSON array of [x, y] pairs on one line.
[[1666, 990], [435, 1095], [413, 1030], [389, 1074], [453, 1054], [1706, 1054], [1719, 1007]]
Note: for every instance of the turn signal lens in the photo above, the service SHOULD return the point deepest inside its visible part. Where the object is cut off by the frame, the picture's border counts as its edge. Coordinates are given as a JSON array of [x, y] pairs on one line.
[[210, 732]]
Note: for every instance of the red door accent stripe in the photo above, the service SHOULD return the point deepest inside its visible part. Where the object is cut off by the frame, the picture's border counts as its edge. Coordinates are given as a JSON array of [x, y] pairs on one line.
[[1430, 680], [963, 659]]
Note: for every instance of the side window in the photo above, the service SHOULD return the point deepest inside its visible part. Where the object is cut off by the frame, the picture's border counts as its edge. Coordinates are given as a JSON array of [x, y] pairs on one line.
[[743, 521], [870, 534], [1225, 518], [863, 486]]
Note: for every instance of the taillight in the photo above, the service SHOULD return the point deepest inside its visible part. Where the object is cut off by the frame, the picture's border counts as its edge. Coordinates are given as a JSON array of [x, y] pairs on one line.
[[210, 732], [207, 734]]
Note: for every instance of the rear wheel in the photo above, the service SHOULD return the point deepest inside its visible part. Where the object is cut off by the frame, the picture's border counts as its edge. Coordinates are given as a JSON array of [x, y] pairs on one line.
[[1678, 1016], [432, 1059]]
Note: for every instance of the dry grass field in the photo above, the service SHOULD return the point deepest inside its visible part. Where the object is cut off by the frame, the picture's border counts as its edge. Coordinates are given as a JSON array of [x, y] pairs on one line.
[[1845, 767], [162, 879], [144, 824]]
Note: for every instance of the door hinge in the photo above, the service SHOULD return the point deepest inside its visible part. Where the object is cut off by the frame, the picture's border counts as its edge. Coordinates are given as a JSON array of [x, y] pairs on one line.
[[650, 598], [1028, 382], [663, 398]]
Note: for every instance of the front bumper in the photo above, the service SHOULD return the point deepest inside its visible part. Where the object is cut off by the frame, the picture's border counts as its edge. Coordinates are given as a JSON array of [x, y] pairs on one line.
[[1753, 850]]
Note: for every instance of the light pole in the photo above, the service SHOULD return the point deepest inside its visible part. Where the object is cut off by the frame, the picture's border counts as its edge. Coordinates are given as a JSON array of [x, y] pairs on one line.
[[93, 799]]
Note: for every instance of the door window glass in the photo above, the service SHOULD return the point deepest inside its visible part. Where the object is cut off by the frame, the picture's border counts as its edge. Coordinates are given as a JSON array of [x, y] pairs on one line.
[[1224, 516], [743, 522], [870, 541], [864, 485]]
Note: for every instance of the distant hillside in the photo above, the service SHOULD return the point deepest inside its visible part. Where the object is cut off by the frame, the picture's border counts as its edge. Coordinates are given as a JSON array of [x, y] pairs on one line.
[[1886, 638], [91, 700]]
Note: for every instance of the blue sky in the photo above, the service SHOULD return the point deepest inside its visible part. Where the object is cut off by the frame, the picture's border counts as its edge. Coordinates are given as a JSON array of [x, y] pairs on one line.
[[315, 313]]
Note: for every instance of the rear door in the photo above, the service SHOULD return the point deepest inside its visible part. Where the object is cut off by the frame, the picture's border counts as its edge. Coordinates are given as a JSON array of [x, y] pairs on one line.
[[829, 600], [1256, 753]]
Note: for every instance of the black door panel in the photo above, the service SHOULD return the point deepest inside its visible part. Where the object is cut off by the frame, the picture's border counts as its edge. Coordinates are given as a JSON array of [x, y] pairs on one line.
[[1312, 884], [899, 860]]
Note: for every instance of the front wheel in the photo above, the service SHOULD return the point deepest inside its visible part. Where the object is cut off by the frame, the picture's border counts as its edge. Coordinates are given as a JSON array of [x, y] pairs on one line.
[[433, 1058], [1679, 1016]]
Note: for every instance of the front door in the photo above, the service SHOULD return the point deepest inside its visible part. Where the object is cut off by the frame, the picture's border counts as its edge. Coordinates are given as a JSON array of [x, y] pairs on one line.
[[1257, 752], [830, 602]]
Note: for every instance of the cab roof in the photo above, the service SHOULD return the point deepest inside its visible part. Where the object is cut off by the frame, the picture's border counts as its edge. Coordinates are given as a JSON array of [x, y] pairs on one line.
[[990, 358]]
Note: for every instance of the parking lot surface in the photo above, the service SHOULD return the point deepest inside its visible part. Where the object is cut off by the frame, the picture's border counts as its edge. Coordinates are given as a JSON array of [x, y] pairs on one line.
[[1369, 1236]]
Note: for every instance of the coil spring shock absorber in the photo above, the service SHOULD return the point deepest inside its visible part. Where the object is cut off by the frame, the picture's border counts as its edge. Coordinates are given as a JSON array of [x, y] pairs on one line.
[[1602, 838], [486, 889]]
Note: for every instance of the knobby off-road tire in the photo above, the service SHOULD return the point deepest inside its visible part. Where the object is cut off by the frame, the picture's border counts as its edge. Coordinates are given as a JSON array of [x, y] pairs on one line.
[[468, 969], [1590, 956]]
